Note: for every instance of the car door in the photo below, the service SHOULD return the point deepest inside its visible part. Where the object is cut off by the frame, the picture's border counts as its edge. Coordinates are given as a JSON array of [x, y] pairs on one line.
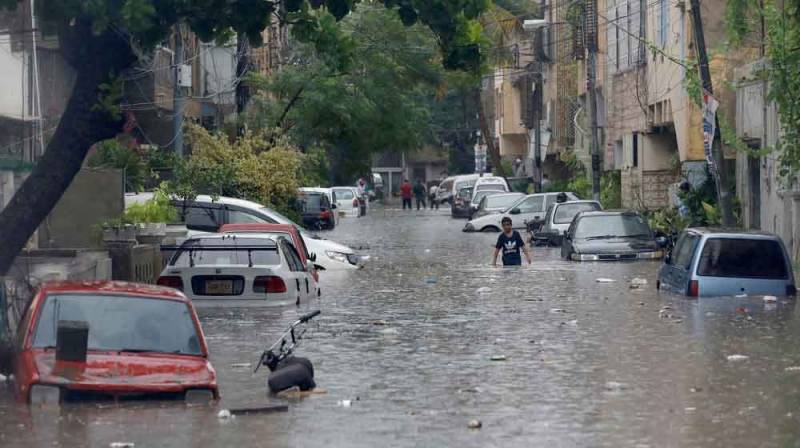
[[566, 241], [293, 277], [675, 273], [302, 282], [532, 208]]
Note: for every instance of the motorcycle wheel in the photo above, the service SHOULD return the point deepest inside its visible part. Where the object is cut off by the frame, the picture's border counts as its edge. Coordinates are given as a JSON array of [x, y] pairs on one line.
[[293, 375]]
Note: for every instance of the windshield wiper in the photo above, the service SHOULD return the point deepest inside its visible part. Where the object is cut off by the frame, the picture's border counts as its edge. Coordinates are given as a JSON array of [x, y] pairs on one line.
[[635, 235], [601, 237]]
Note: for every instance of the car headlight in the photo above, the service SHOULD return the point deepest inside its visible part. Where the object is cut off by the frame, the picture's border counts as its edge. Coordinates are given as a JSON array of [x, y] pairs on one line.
[[353, 259], [42, 394], [337, 256], [651, 255], [584, 257]]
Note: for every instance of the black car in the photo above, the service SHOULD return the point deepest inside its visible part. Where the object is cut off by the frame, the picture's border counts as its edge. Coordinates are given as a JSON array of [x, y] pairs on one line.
[[460, 207], [610, 236], [317, 210]]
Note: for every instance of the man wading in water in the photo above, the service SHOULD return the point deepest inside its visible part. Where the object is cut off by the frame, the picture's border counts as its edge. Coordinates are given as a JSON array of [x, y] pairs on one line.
[[510, 242]]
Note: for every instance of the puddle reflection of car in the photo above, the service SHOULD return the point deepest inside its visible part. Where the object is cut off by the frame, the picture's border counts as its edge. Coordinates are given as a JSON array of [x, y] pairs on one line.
[[610, 236], [111, 340], [249, 267], [716, 262]]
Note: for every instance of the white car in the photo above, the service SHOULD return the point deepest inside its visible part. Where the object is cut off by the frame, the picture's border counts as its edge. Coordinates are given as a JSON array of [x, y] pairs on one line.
[[347, 201], [450, 187], [527, 209], [559, 217], [494, 183], [205, 215], [230, 267], [332, 199]]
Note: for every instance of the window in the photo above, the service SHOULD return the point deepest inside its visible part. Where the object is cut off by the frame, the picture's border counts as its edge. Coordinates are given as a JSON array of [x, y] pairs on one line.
[[122, 323], [530, 205], [223, 251], [203, 217], [565, 212], [609, 226], [313, 202], [295, 265], [498, 201], [736, 257], [241, 217], [344, 195], [635, 143], [684, 250], [663, 22]]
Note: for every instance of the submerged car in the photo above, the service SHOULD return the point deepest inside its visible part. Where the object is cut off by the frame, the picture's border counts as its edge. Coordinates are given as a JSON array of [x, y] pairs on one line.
[[610, 236], [719, 262], [249, 267], [558, 218], [317, 208], [496, 203], [206, 214], [477, 197], [528, 208], [111, 340], [460, 207]]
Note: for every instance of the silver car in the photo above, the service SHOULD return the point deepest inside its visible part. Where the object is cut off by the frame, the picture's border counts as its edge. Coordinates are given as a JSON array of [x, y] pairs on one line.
[[716, 262], [559, 217]]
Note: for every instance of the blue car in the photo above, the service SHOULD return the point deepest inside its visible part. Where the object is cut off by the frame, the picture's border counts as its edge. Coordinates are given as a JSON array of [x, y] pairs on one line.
[[717, 262]]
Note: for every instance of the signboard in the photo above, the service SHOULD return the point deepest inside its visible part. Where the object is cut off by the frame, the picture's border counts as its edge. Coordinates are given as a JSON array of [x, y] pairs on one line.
[[480, 158], [710, 106]]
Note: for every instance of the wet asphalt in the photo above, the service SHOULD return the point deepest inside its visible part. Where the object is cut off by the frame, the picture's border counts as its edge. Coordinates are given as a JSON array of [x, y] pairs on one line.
[[428, 337]]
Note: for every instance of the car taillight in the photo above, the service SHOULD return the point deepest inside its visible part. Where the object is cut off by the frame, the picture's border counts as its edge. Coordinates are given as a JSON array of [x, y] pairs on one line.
[[171, 281], [269, 284], [791, 290], [324, 214], [694, 288]]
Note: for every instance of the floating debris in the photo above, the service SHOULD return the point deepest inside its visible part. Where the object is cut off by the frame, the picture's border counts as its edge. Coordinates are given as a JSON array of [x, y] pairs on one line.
[[605, 280], [242, 365], [122, 445], [224, 414], [792, 369], [475, 424], [259, 410], [614, 386], [497, 358], [737, 357], [770, 299], [379, 322], [558, 310], [470, 390], [345, 403], [638, 283], [484, 290], [431, 280]]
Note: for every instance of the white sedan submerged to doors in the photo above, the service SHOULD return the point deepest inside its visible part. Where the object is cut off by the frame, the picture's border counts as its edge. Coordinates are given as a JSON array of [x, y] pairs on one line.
[[229, 267]]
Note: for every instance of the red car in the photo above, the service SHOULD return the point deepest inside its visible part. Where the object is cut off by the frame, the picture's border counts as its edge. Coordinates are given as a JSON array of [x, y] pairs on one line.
[[284, 229], [111, 340]]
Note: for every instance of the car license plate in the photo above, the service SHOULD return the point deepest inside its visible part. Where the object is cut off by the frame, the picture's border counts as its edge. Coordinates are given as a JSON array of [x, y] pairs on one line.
[[219, 287]]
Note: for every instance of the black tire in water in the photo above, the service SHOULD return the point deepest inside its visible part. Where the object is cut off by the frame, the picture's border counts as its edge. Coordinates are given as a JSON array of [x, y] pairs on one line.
[[293, 375], [298, 360]]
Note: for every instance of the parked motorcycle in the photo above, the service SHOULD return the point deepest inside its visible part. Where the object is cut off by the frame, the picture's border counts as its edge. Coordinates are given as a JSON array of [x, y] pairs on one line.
[[286, 370]]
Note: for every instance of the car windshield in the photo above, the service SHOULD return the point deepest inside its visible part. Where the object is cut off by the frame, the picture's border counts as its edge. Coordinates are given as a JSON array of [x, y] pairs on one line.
[[747, 258], [310, 202], [565, 212], [464, 184], [121, 323], [279, 218], [345, 194], [502, 200], [491, 187], [223, 252], [480, 195], [612, 226], [465, 193]]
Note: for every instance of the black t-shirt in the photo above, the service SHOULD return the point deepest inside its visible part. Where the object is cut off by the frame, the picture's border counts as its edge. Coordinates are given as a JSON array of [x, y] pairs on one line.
[[510, 246]]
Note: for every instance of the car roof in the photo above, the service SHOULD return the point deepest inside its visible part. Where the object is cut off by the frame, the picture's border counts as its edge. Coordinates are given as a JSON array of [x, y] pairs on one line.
[[224, 200], [580, 201], [316, 190], [220, 239], [257, 228], [727, 231], [113, 287], [608, 213]]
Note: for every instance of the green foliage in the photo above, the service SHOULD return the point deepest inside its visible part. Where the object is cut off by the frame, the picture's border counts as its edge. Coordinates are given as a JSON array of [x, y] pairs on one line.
[[666, 220], [578, 181], [157, 210], [354, 107], [109, 95], [611, 190], [111, 154]]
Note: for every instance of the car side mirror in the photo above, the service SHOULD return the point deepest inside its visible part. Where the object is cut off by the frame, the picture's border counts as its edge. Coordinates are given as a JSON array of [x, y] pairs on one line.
[[662, 241], [515, 211], [313, 256]]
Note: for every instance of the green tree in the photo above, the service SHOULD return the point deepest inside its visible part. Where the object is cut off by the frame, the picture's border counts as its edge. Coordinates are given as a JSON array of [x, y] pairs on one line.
[[101, 39]]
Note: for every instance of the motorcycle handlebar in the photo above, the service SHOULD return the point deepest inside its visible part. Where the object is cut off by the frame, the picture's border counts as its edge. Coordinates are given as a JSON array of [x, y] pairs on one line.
[[309, 316]]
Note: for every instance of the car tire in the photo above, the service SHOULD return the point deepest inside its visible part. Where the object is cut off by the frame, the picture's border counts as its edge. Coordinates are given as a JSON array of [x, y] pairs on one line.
[[305, 362], [293, 375], [490, 229]]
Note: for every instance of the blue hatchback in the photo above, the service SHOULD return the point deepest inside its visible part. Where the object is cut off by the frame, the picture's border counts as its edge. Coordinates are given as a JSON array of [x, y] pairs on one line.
[[718, 262]]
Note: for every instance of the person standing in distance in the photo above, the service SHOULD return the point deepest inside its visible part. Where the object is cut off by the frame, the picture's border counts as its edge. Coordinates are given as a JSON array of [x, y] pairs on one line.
[[406, 194], [510, 242]]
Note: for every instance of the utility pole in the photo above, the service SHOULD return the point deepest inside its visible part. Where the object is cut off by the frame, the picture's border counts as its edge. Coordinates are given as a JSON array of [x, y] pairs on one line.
[[591, 91], [178, 101], [716, 156], [242, 68], [537, 129]]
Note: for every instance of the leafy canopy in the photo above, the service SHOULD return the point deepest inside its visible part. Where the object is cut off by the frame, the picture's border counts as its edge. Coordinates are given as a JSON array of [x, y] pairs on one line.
[[453, 22]]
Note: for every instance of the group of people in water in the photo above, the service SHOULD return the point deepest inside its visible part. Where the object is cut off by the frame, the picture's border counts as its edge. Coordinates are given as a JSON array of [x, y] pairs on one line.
[[419, 192]]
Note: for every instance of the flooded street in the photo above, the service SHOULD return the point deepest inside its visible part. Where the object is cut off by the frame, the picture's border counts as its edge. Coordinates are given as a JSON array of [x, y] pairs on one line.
[[410, 340]]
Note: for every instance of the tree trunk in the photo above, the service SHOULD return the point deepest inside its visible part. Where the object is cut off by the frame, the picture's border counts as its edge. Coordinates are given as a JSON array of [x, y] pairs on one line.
[[95, 58], [491, 148]]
